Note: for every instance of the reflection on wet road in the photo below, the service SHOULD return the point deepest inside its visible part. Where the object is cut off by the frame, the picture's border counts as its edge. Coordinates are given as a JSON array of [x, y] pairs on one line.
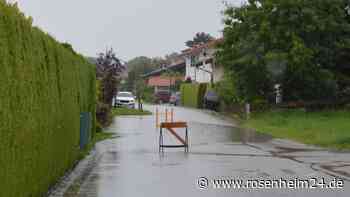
[[131, 166]]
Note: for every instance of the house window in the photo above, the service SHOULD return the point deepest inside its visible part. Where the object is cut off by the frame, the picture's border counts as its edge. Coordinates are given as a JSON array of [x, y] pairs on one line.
[[194, 60], [209, 61], [199, 64]]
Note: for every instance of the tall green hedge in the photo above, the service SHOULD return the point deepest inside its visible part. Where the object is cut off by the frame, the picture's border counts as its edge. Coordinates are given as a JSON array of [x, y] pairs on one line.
[[43, 89], [192, 95]]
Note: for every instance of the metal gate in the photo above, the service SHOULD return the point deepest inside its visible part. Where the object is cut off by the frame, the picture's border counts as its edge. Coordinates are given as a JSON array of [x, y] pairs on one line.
[[85, 128]]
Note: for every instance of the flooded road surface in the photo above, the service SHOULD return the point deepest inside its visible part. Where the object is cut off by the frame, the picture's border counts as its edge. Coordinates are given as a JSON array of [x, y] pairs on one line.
[[131, 166]]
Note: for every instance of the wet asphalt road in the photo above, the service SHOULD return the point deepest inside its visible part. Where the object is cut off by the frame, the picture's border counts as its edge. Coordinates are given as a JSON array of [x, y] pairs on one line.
[[130, 166]]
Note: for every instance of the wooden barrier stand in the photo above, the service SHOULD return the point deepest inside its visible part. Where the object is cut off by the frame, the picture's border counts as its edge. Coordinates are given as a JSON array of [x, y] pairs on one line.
[[171, 126], [166, 115]]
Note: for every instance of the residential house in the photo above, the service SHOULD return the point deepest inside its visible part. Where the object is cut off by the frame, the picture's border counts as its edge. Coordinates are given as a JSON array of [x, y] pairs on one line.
[[196, 63], [162, 82], [200, 63]]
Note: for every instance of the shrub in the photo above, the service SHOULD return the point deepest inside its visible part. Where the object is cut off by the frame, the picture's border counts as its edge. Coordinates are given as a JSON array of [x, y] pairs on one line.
[[44, 87], [226, 89], [103, 114], [192, 95], [189, 94], [317, 85], [148, 94], [202, 89]]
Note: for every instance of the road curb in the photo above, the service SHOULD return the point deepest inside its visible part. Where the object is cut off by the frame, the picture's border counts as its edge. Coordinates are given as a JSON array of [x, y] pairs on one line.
[[69, 184]]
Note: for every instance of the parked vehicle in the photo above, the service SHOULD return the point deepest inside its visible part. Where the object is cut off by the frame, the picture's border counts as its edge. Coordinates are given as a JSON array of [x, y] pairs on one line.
[[211, 100], [175, 98], [124, 99], [162, 97]]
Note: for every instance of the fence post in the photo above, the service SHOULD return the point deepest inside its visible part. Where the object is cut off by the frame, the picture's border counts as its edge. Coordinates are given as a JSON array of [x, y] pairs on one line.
[[157, 118], [172, 115], [166, 115], [85, 129], [247, 110]]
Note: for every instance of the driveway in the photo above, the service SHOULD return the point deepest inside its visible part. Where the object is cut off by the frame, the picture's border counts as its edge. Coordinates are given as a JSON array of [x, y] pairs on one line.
[[131, 166]]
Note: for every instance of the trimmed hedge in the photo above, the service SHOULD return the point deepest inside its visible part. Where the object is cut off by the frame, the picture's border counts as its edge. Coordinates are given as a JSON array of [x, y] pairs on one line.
[[43, 88], [192, 95]]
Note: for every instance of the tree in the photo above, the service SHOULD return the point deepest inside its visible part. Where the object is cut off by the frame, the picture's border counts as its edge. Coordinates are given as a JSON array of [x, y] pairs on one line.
[[140, 90], [137, 67], [174, 79], [172, 58], [241, 53], [142, 65], [108, 70], [226, 89], [295, 43], [200, 38]]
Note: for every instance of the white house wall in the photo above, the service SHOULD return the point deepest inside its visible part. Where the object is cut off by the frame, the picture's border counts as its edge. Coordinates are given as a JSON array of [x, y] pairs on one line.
[[202, 76], [190, 72], [199, 75]]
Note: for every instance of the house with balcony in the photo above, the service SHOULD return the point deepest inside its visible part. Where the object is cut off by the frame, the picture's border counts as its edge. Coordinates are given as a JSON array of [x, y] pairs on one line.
[[196, 63], [200, 63]]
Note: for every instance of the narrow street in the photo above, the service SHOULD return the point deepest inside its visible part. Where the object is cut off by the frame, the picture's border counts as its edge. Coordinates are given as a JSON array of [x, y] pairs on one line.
[[246, 98], [130, 165]]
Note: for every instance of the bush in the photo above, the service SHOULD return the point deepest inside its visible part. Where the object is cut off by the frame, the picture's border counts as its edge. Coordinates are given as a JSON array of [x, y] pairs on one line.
[[226, 89], [260, 105], [148, 95], [347, 107], [192, 95], [103, 114], [316, 85], [344, 87], [202, 89], [189, 94], [99, 128], [44, 88]]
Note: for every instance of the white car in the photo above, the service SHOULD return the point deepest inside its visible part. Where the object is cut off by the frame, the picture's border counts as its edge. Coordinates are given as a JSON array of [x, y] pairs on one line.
[[124, 99]]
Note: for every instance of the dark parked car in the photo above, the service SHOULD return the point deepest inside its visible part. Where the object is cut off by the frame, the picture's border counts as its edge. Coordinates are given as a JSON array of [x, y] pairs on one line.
[[211, 100], [162, 97], [175, 98]]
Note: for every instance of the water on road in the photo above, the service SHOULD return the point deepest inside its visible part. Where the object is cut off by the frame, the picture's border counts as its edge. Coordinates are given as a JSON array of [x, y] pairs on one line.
[[131, 166]]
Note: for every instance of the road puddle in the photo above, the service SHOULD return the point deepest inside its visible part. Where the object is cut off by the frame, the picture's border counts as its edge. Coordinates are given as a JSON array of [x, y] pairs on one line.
[[211, 133]]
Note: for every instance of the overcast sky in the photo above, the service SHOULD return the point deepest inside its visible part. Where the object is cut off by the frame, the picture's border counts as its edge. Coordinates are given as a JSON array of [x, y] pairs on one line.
[[132, 27]]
